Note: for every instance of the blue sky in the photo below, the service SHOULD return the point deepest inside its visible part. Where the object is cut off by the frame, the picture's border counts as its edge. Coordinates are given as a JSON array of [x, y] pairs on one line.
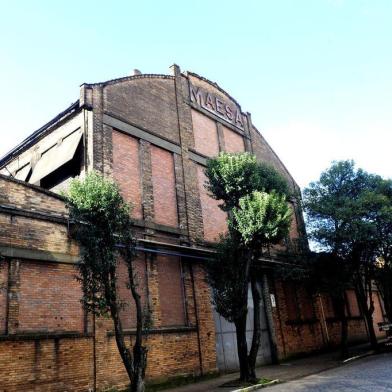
[[316, 75]]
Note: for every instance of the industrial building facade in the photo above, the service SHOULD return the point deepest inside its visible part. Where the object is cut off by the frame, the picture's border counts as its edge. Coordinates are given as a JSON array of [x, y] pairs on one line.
[[152, 134]]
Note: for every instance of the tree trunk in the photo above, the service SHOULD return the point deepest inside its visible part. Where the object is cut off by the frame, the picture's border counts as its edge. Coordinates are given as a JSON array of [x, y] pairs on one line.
[[111, 297], [366, 304], [242, 347], [340, 305], [256, 294], [139, 351]]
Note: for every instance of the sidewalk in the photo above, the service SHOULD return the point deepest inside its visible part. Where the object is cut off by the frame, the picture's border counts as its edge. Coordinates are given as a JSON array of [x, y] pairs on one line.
[[286, 371]]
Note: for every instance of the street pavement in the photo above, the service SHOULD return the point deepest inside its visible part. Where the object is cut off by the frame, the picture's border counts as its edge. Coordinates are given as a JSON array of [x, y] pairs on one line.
[[373, 374]]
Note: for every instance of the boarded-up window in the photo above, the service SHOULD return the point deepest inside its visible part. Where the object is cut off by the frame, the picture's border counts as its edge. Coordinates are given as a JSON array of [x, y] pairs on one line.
[[170, 290], [126, 170], [164, 187], [214, 219], [352, 304], [233, 141], [128, 309], [49, 298], [291, 300], [205, 134]]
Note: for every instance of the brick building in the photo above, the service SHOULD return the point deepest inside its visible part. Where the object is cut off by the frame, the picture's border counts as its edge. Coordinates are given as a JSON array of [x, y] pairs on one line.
[[152, 134]]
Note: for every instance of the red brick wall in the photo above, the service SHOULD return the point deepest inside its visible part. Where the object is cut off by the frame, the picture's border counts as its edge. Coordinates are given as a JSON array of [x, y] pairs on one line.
[[128, 311], [171, 291], [214, 219], [49, 298], [146, 102], [378, 316], [46, 365], [305, 334], [352, 302], [126, 170], [164, 187], [233, 141], [205, 134]]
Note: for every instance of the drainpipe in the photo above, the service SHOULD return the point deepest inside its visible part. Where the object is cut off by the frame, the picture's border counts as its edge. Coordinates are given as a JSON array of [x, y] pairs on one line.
[[197, 320], [269, 318]]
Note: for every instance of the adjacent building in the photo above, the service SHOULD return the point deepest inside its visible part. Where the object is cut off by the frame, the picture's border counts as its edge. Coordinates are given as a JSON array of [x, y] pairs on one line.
[[153, 135]]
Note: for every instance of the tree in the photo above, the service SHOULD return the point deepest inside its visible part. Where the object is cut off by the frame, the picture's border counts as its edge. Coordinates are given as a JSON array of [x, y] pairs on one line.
[[382, 216], [340, 208], [103, 229], [254, 196]]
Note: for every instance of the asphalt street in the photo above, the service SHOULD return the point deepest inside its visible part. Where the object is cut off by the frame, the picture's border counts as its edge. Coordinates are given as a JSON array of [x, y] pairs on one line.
[[369, 374]]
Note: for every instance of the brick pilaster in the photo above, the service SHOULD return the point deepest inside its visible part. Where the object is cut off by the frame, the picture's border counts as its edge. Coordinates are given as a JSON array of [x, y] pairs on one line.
[[13, 296], [180, 193], [221, 138], [97, 129], [147, 189], [192, 196], [153, 290], [248, 133]]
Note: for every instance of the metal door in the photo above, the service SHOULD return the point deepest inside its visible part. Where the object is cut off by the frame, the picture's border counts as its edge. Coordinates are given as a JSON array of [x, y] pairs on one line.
[[226, 341]]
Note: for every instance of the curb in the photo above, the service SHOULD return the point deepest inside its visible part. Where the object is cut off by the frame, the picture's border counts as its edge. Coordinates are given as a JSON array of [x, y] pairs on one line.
[[360, 356], [257, 386]]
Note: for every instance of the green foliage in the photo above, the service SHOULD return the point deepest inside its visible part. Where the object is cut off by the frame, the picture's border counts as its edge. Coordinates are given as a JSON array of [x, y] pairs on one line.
[[349, 216], [339, 207], [103, 221], [261, 219], [254, 195], [226, 275], [232, 176]]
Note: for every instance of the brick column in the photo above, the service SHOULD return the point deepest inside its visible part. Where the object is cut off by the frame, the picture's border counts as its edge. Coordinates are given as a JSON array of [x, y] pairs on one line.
[[146, 173], [192, 197], [221, 138], [13, 293], [97, 129], [107, 151], [153, 290], [206, 327], [180, 194], [248, 133]]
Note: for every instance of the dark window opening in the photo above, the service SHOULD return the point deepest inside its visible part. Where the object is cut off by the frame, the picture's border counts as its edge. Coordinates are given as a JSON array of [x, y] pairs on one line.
[[69, 170]]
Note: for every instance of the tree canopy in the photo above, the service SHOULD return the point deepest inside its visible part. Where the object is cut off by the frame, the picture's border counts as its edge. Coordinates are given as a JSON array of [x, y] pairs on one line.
[[103, 221], [232, 176], [347, 214]]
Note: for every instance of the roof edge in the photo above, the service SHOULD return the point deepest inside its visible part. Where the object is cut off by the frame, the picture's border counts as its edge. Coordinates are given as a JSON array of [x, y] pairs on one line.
[[30, 140], [128, 78]]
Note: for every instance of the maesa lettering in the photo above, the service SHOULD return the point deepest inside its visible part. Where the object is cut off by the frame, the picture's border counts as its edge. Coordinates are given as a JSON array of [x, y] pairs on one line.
[[215, 105]]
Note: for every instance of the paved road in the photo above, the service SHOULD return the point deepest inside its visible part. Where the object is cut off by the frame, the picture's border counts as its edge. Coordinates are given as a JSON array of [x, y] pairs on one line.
[[372, 374]]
